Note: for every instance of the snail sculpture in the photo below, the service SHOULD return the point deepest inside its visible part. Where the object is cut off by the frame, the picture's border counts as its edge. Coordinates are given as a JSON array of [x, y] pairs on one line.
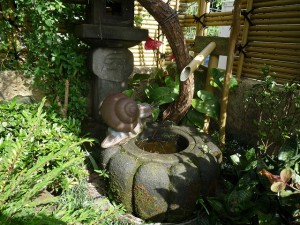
[[123, 117]]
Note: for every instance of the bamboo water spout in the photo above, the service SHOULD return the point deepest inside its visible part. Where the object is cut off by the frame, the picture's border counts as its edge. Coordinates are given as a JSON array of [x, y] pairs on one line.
[[193, 65]]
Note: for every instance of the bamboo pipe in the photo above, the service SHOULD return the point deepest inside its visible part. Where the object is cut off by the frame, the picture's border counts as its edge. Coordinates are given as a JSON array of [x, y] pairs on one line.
[[193, 65], [244, 41]]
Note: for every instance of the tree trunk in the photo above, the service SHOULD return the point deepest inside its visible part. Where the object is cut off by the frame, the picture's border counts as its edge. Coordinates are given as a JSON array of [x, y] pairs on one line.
[[169, 22]]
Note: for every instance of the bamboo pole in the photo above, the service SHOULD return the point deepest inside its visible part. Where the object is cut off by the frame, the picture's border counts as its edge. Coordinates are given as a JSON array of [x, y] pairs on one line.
[[292, 46], [219, 18], [278, 27], [294, 66], [284, 8], [221, 23], [275, 3], [201, 11], [217, 14], [277, 75], [274, 57], [274, 39], [213, 63], [229, 65], [244, 41], [274, 51], [258, 76], [275, 15], [276, 21], [277, 40], [273, 68]]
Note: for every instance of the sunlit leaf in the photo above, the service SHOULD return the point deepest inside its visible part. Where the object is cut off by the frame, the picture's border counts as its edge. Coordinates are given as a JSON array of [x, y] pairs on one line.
[[209, 106], [278, 186], [286, 174], [162, 95], [287, 150]]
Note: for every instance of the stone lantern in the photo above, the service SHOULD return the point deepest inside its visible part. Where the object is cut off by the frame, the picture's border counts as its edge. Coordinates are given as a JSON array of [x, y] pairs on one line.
[[110, 31]]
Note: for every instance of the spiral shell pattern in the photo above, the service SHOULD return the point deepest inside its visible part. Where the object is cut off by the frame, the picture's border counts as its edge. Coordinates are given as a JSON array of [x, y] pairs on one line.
[[120, 112]]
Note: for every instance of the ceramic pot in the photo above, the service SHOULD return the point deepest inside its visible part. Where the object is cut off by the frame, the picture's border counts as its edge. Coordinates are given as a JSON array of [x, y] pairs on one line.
[[161, 185]]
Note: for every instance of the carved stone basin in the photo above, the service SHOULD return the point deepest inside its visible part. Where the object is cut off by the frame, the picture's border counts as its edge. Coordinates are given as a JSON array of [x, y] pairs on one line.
[[163, 187]]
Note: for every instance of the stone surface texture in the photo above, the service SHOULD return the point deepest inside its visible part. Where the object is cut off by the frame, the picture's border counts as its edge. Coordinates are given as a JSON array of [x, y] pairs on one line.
[[163, 187]]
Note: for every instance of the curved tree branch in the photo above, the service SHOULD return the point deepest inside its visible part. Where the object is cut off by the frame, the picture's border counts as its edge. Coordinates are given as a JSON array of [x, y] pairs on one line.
[[169, 22]]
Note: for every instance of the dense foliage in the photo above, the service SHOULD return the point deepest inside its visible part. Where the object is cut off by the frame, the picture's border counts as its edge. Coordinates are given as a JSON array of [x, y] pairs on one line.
[[42, 153], [261, 185], [278, 111], [162, 87], [36, 36]]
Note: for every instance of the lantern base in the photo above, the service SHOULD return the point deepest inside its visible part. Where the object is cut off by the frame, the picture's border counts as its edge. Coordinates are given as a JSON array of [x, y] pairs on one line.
[[110, 36]]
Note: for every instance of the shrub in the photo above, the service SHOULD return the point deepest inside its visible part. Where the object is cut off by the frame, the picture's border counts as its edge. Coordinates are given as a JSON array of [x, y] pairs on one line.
[[37, 151], [36, 37], [278, 111]]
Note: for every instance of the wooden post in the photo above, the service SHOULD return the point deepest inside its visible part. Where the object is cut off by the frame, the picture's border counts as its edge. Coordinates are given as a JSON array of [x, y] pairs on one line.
[[229, 65], [244, 41], [201, 10], [213, 63]]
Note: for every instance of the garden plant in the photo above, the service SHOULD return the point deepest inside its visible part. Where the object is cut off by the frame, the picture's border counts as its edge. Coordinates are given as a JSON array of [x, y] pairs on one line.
[[42, 149]]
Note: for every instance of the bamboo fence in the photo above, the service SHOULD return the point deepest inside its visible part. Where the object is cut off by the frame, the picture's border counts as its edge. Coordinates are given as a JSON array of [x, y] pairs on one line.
[[269, 36]]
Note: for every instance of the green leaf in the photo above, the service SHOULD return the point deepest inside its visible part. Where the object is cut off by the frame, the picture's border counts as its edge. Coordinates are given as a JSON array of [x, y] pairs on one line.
[[161, 95], [206, 95], [195, 117], [155, 113], [218, 79], [239, 200], [287, 151], [207, 104], [138, 77], [128, 92], [235, 159], [216, 205]]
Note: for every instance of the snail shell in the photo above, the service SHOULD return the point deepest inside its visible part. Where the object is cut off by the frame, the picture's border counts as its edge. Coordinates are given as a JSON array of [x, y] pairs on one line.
[[120, 112]]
